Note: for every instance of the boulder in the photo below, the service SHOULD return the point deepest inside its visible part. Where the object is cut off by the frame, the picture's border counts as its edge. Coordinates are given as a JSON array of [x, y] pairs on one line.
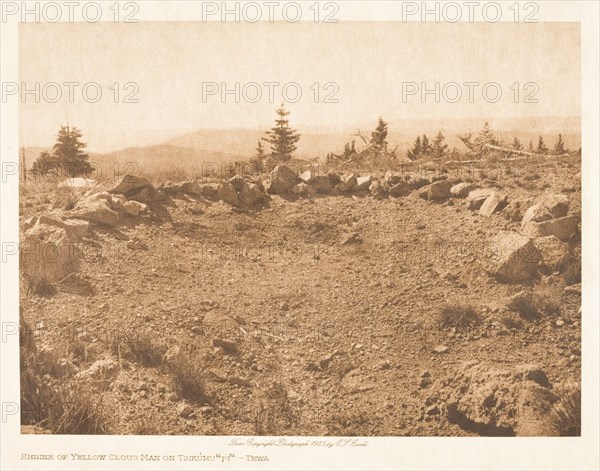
[[417, 182], [75, 228], [476, 198], [211, 191], [283, 178], [334, 177], [494, 401], [350, 181], [436, 191], [131, 185], [250, 195], [512, 258], [377, 190], [401, 188], [323, 184], [555, 254], [462, 190], [563, 228], [550, 206], [495, 202], [238, 182], [302, 189], [96, 210], [133, 208], [228, 194], [363, 183], [392, 178], [191, 188], [307, 176], [48, 253], [172, 189]]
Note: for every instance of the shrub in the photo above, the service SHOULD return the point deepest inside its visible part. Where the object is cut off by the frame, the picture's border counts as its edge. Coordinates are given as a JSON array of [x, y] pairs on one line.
[[565, 417], [458, 315], [189, 377], [141, 346]]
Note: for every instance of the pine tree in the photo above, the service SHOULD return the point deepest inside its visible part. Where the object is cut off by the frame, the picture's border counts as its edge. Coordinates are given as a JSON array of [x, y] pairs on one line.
[[541, 147], [486, 136], [378, 137], [45, 164], [415, 152], [260, 151], [559, 147], [69, 152], [531, 149], [516, 144], [439, 148], [282, 137], [425, 146]]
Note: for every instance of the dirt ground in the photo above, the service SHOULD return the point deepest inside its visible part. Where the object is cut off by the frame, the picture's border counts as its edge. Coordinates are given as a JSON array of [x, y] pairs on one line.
[[312, 316]]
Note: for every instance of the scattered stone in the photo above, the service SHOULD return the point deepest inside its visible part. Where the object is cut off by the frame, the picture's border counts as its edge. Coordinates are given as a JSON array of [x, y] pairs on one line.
[[554, 253], [172, 352], [476, 198], [303, 189], [326, 361], [550, 206], [238, 182], [133, 187], [563, 228], [95, 210], [363, 183], [560, 323], [351, 181], [432, 410], [228, 194], [211, 191], [250, 195], [184, 410], [512, 258], [191, 187], [401, 188], [462, 190], [436, 191], [283, 178], [493, 203], [307, 176], [104, 369], [133, 208], [519, 299], [440, 349], [424, 382], [284, 306], [47, 253]]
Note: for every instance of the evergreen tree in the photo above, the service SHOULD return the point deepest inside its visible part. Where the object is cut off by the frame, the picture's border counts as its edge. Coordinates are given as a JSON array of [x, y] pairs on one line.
[[559, 147], [45, 164], [282, 137], [541, 147], [378, 137], [425, 146], [260, 151], [531, 149], [67, 155], [415, 152], [486, 136], [516, 144], [439, 148]]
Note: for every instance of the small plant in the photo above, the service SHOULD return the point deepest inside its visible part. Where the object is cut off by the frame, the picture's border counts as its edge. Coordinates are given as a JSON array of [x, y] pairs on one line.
[[138, 345], [572, 269], [511, 321], [458, 315], [189, 377], [536, 305], [39, 286], [565, 417], [275, 413]]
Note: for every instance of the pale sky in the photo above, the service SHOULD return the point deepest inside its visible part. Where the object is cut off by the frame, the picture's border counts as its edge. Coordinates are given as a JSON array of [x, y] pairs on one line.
[[368, 62]]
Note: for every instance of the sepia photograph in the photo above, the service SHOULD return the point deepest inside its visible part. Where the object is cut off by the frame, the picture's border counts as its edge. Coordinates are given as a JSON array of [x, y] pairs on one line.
[[298, 225]]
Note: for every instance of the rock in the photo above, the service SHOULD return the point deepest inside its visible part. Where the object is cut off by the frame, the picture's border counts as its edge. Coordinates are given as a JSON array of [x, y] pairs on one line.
[[401, 188], [47, 253], [133, 187], [476, 198], [417, 182], [238, 182], [105, 369], [77, 182], [307, 176], [512, 211], [133, 208], [184, 410], [432, 410], [440, 349], [519, 299], [563, 228], [462, 190], [377, 190], [228, 194], [436, 191], [498, 402], [172, 353], [392, 178], [350, 181], [228, 346], [283, 178], [172, 189], [353, 238], [493, 203], [211, 191], [250, 195], [363, 183], [95, 210], [512, 258], [326, 361], [323, 184], [75, 228], [191, 188], [284, 306], [424, 382], [555, 253], [550, 206], [302, 189], [334, 177]]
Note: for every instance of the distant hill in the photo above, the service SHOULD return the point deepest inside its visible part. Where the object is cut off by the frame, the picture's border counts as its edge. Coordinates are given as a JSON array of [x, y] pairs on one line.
[[218, 146]]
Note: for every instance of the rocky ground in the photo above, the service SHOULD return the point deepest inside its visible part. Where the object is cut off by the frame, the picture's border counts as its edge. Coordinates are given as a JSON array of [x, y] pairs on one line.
[[319, 309]]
